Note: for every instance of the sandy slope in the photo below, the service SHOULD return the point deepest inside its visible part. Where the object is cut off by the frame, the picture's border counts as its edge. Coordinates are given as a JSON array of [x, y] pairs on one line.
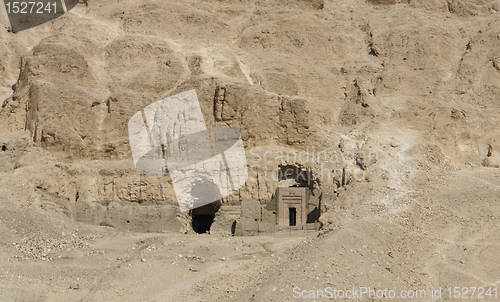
[[444, 237]]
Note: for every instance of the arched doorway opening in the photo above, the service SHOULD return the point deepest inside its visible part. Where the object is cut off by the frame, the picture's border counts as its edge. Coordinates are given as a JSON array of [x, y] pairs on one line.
[[203, 217]]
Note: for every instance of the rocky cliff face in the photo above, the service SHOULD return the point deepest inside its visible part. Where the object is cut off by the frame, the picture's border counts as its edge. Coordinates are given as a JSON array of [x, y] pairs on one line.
[[380, 91], [386, 109]]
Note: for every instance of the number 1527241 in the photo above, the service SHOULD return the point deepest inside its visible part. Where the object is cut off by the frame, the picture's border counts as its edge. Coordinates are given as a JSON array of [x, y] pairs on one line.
[[31, 8]]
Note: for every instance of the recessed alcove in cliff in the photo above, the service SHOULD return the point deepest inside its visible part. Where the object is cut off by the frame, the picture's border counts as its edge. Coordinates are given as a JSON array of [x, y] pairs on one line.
[[302, 177]]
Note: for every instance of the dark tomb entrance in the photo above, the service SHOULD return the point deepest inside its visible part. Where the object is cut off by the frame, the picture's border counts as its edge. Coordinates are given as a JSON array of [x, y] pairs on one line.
[[202, 223], [203, 217], [292, 216]]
